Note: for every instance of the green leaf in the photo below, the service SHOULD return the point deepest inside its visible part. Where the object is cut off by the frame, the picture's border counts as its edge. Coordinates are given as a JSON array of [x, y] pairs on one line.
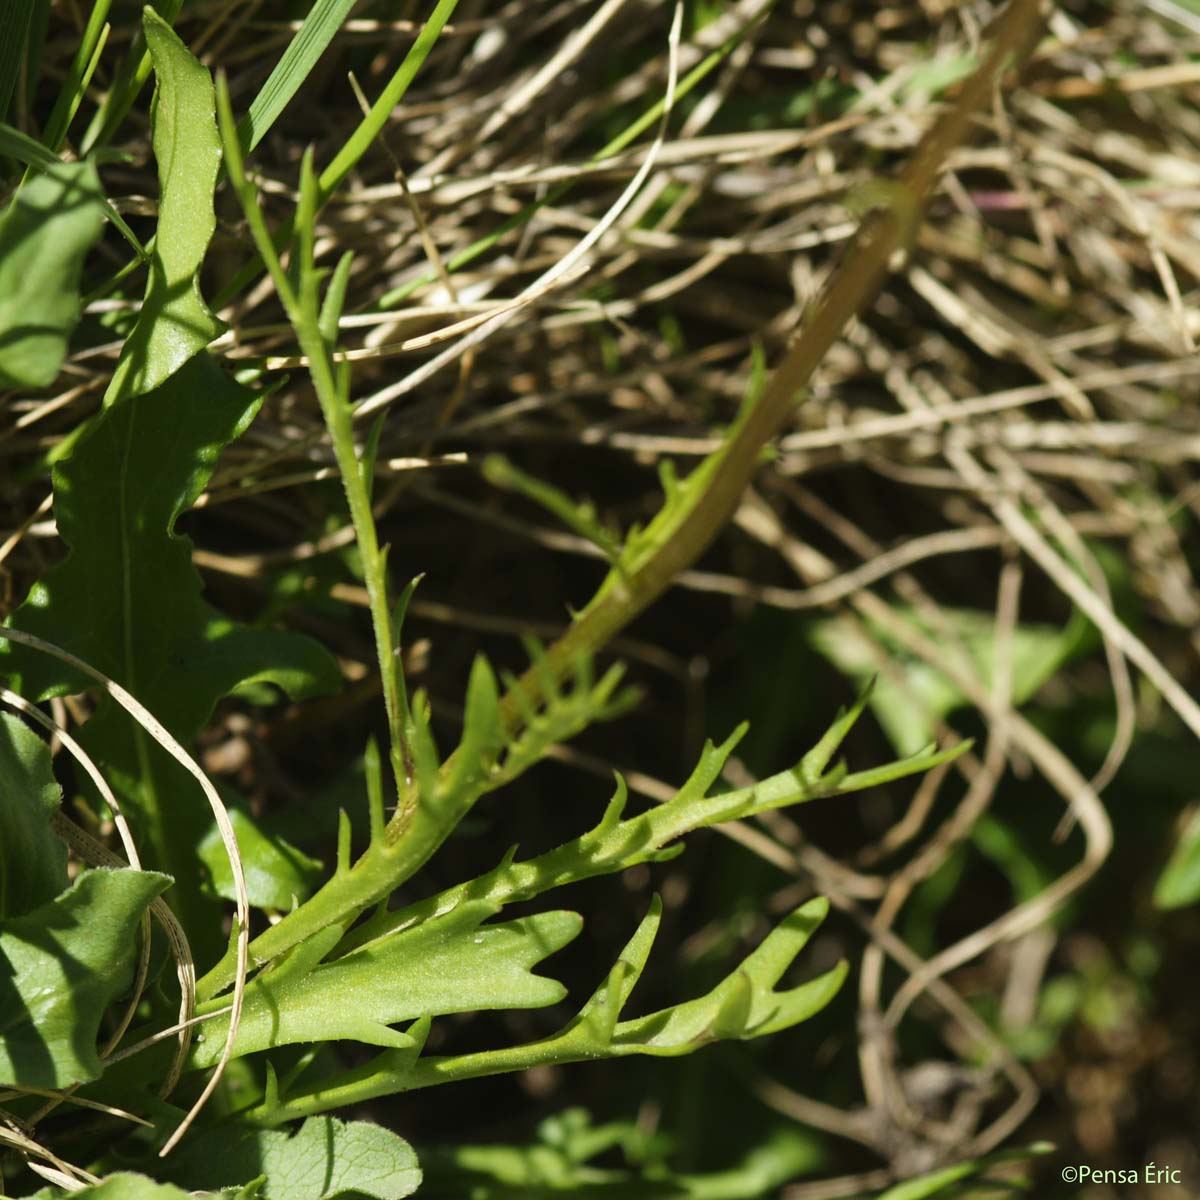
[[45, 232], [175, 323], [13, 31], [651, 836], [127, 1186], [1179, 884], [33, 860], [314, 35], [454, 963], [79, 74], [744, 1004], [23, 148], [323, 1158], [603, 1010], [579, 515], [128, 601], [61, 965], [278, 876], [930, 79]]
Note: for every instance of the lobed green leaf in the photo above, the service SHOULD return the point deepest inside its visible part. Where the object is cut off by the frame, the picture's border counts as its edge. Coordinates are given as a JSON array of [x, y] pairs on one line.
[[453, 964], [745, 1004], [128, 600], [175, 323], [61, 965]]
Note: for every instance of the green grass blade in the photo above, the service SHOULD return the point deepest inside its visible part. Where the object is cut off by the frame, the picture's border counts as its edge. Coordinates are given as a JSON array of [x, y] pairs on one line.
[[35, 52], [13, 30], [134, 72], [373, 123], [18, 145], [79, 75], [310, 42], [636, 127], [359, 141], [32, 153]]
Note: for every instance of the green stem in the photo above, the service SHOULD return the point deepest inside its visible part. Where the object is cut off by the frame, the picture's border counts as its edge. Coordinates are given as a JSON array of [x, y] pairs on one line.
[[369, 128], [850, 291], [303, 309], [336, 410], [396, 1071], [414, 833]]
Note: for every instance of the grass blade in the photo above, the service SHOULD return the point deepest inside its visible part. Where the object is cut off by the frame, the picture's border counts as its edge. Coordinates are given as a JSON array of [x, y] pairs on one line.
[[13, 31], [310, 42], [134, 72], [79, 75], [360, 140], [32, 153]]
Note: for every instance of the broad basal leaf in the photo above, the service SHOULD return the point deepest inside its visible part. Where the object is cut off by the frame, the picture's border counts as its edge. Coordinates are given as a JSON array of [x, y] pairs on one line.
[[45, 232], [175, 323], [128, 600], [278, 876], [322, 1159], [450, 964], [61, 965], [33, 860]]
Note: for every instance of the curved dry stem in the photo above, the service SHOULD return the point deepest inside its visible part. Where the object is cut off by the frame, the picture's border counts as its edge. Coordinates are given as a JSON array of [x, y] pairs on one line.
[[59, 1172], [92, 851], [1093, 606], [81, 756], [157, 731], [123, 828]]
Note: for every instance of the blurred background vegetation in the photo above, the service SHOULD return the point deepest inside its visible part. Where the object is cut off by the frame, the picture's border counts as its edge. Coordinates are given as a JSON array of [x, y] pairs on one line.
[[1027, 379]]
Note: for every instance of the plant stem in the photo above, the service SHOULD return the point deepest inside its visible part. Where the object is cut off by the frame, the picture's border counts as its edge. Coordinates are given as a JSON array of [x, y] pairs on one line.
[[303, 309], [414, 833], [851, 289], [378, 1078]]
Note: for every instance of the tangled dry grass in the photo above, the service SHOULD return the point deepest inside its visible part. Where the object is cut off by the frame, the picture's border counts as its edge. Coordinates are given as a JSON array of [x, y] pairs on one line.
[[1016, 412]]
